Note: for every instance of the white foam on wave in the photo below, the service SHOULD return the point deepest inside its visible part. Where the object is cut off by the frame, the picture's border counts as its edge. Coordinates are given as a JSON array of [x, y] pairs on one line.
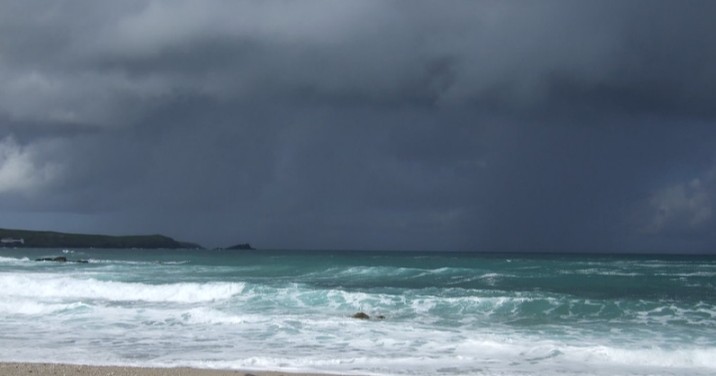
[[48, 286], [491, 356], [467, 305], [304, 327], [699, 314], [688, 274], [374, 271], [699, 358], [204, 315], [393, 271], [600, 272], [223, 335], [467, 308], [13, 260], [32, 307]]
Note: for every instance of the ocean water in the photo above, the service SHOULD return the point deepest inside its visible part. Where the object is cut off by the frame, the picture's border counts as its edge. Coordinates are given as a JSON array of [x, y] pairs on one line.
[[445, 313]]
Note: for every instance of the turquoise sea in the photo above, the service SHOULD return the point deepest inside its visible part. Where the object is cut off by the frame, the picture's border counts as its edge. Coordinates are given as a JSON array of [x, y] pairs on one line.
[[445, 313]]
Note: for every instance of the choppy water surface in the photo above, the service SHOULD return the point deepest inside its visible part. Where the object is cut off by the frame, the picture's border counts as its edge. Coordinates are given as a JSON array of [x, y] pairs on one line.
[[445, 313]]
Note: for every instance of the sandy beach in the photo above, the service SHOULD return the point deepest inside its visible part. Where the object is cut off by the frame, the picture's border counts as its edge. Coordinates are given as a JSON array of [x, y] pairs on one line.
[[48, 369]]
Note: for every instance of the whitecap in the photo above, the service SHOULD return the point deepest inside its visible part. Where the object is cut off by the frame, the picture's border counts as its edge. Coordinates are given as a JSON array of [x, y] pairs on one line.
[[48, 286]]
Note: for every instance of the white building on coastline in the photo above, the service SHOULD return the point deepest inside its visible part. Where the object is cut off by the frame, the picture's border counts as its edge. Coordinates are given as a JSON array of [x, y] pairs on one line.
[[11, 241]]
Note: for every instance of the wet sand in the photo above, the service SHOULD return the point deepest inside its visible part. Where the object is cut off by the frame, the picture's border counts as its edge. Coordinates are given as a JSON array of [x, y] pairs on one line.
[[47, 369]]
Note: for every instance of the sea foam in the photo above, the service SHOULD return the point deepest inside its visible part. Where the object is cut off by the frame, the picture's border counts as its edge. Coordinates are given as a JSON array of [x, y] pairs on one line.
[[53, 286], [290, 311]]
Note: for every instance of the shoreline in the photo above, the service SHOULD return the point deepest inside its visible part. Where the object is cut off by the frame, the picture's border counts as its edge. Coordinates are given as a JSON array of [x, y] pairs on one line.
[[55, 369]]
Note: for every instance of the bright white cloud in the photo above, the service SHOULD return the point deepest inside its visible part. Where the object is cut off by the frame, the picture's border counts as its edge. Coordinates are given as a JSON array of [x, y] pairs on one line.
[[21, 168]]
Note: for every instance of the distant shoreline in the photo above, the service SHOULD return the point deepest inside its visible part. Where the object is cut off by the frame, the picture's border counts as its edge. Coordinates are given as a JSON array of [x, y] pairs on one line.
[[11, 238]]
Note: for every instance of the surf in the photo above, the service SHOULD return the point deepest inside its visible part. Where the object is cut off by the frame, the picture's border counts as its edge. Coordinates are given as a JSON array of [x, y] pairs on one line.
[[445, 314]]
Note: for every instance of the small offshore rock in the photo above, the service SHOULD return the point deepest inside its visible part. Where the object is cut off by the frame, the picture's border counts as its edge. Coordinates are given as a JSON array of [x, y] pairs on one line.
[[361, 316], [55, 259]]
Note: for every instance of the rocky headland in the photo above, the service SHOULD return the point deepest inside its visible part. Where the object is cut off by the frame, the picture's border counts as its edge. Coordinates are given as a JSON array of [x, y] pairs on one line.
[[52, 239]]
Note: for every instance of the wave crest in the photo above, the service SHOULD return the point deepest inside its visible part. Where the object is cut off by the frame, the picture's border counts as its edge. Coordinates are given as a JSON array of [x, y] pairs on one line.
[[60, 287]]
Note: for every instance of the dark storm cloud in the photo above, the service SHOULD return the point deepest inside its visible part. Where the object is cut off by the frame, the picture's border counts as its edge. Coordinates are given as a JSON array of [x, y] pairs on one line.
[[557, 125]]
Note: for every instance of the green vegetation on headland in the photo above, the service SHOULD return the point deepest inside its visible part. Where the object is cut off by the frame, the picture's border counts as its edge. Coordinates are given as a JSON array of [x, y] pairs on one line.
[[51, 239]]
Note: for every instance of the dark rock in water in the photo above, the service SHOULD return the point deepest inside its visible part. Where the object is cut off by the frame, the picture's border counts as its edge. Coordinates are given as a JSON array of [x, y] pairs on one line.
[[361, 316], [62, 259], [55, 259], [380, 317], [243, 246]]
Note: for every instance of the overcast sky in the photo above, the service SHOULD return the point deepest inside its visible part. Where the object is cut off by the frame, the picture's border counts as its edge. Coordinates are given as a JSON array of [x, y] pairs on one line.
[[439, 125]]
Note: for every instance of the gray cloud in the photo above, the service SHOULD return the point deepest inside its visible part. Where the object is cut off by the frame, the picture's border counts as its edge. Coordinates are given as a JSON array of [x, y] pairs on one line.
[[559, 125]]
